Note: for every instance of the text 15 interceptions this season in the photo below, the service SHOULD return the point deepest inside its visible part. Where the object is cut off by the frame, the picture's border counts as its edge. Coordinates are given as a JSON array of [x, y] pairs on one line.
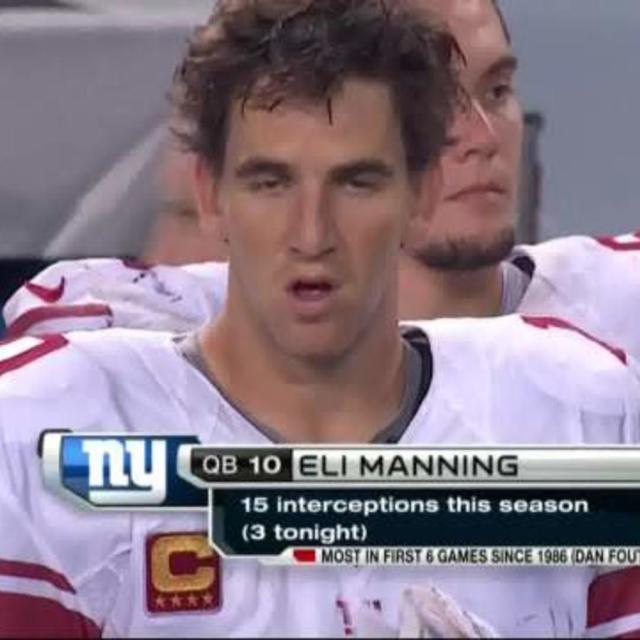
[[370, 505]]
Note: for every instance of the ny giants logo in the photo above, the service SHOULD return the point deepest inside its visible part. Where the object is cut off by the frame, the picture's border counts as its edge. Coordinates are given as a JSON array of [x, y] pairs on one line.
[[106, 470], [118, 471], [131, 471]]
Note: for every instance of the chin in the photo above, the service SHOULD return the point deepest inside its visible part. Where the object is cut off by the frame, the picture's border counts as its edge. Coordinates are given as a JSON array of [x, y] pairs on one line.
[[467, 251], [316, 343]]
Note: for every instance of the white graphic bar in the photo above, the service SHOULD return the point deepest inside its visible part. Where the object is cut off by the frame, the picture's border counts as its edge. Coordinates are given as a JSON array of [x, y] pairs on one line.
[[459, 556]]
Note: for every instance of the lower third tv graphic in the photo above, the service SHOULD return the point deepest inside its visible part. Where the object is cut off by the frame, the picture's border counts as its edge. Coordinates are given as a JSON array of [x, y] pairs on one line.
[[117, 470]]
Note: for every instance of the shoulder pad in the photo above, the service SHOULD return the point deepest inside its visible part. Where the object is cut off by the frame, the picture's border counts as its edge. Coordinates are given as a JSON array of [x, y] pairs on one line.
[[102, 293]]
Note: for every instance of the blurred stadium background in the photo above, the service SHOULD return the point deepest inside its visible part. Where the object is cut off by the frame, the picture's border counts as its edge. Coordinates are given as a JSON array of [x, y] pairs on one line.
[[83, 86]]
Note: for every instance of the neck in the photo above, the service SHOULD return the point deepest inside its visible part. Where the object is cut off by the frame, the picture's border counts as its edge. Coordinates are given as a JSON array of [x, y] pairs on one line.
[[346, 399], [427, 293]]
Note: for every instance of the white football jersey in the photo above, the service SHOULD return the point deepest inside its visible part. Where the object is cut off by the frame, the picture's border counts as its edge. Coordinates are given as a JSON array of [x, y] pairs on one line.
[[98, 293], [590, 282], [494, 381]]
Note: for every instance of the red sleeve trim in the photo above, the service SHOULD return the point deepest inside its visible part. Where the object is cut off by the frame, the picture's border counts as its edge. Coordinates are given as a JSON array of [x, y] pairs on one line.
[[39, 314], [47, 345], [547, 322], [35, 571], [617, 245], [26, 616], [614, 595]]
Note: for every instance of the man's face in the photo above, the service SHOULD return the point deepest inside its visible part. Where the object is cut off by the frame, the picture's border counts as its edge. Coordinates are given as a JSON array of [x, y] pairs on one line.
[[471, 224], [313, 199]]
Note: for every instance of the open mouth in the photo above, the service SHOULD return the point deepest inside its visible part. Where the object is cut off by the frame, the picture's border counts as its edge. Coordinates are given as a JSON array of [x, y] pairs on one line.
[[311, 290]]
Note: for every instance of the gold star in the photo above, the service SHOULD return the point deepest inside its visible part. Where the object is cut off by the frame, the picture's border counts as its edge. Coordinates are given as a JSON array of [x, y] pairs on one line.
[[176, 601], [160, 603], [192, 600], [208, 599]]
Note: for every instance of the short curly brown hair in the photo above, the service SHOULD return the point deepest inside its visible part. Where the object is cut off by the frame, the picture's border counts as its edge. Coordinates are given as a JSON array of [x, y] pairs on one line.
[[259, 52]]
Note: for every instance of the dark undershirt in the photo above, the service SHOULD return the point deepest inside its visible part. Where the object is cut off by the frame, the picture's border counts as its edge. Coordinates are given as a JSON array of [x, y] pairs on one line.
[[418, 364]]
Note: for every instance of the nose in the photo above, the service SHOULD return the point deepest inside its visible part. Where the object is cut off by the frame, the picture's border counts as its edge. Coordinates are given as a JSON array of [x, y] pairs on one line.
[[472, 132], [311, 229]]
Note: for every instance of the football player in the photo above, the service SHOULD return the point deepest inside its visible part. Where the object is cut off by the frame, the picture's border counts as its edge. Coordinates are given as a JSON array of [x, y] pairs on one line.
[[176, 236], [459, 258], [312, 155]]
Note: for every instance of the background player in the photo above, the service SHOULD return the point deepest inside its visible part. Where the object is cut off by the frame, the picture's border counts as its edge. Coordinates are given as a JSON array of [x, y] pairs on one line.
[[459, 257], [176, 236]]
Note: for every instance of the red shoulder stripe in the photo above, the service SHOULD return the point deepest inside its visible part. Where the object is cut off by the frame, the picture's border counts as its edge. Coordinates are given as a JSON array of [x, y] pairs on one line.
[[612, 242], [547, 322], [25, 616], [46, 345], [39, 314], [35, 571], [614, 595]]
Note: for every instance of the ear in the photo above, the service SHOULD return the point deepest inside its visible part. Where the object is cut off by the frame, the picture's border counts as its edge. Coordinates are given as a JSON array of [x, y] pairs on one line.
[[205, 189]]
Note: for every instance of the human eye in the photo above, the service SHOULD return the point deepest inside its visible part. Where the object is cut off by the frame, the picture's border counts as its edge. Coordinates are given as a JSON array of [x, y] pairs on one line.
[[499, 91], [267, 183], [364, 183]]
